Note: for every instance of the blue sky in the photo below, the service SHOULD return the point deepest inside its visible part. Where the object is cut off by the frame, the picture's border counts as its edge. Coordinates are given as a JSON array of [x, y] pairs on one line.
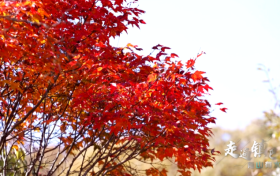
[[236, 36]]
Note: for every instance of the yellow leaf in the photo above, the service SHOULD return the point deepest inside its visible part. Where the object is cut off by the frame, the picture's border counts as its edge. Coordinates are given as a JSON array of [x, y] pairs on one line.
[[26, 3], [99, 69], [37, 129], [36, 18], [15, 147], [129, 44], [42, 12]]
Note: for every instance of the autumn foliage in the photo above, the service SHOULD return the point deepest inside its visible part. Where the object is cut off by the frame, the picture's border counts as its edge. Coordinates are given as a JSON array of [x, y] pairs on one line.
[[62, 84]]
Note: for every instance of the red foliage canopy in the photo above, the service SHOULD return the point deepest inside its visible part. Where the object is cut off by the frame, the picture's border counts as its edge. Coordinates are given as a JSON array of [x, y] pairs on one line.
[[58, 70]]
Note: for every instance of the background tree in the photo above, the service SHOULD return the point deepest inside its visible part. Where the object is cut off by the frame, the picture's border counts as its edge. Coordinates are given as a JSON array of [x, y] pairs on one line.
[[227, 165], [15, 162], [65, 91], [266, 128], [272, 117]]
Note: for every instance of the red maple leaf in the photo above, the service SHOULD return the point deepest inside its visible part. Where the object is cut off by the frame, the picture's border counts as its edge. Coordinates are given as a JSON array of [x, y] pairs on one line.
[[197, 75], [190, 63], [223, 109], [173, 55]]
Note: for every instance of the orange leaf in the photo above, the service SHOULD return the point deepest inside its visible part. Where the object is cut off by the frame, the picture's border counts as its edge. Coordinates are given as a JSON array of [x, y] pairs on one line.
[[27, 109], [129, 45], [152, 77], [197, 75]]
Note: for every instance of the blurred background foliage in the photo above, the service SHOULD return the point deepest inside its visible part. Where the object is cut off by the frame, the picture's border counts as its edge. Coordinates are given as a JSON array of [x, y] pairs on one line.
[[266, 128], [17, 164]]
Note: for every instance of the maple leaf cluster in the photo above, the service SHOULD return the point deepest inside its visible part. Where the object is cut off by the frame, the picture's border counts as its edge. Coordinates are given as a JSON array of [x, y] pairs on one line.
[[62, 79]]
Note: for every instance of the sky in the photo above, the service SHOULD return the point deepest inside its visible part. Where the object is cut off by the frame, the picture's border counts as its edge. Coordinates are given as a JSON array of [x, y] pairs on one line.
[[236, 35]]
